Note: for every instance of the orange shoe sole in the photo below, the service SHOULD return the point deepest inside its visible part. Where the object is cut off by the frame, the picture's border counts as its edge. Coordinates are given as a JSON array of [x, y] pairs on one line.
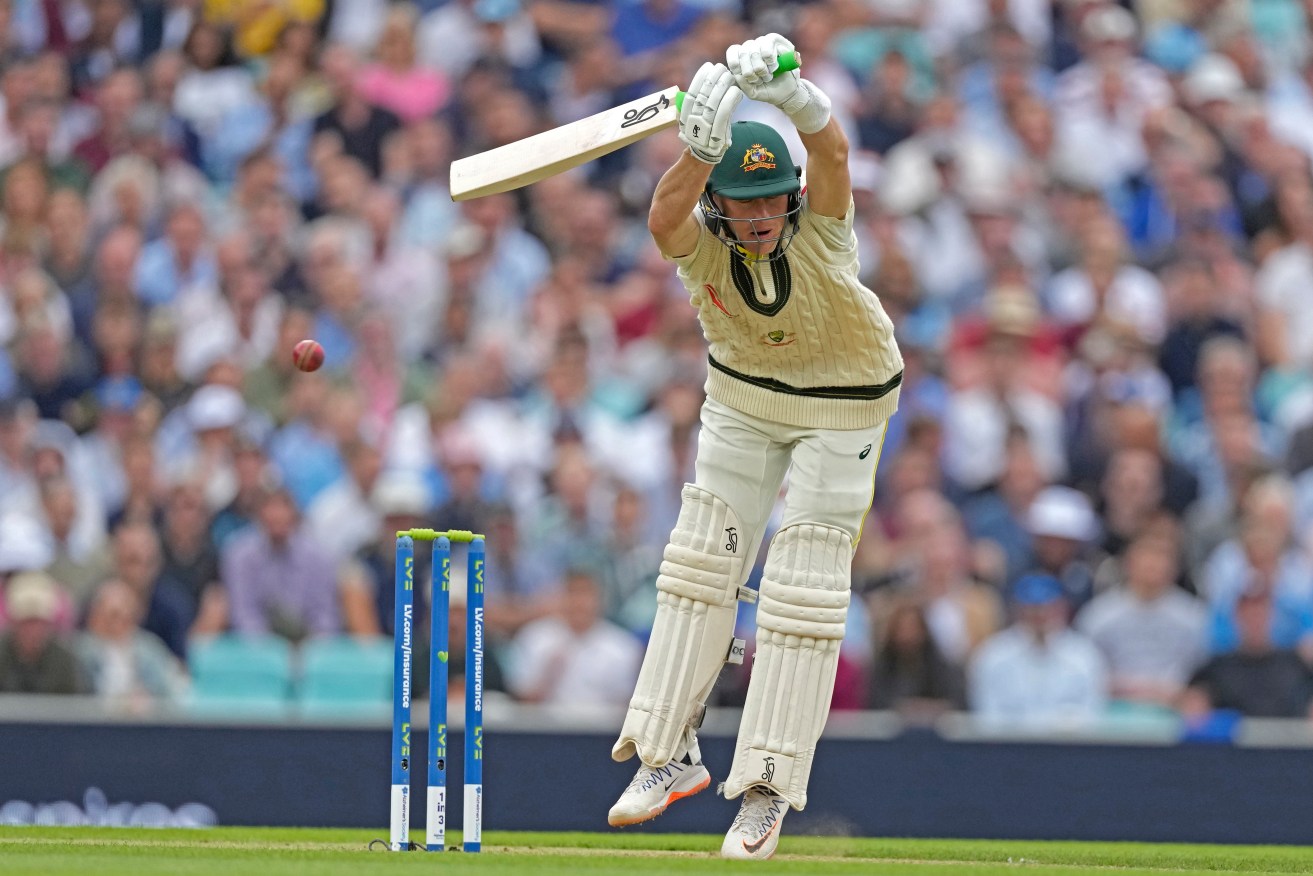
[[657, 810]]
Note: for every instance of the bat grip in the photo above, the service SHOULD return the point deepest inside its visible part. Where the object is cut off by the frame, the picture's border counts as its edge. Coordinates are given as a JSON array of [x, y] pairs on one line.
[[788, 61]]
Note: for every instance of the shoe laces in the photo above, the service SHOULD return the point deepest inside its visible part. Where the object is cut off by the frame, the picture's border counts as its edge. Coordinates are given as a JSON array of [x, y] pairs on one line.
[[649, 777], [759, 812]]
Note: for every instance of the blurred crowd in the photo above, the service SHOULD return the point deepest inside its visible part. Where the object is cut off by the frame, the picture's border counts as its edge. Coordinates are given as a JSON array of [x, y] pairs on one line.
[[1091, 223]]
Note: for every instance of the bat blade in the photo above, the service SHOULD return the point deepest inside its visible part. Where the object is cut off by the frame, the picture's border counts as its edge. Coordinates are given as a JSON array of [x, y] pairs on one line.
[[551, 152]]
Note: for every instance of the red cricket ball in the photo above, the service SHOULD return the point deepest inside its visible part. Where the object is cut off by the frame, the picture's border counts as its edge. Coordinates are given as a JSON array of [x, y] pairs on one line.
[[308, 355]]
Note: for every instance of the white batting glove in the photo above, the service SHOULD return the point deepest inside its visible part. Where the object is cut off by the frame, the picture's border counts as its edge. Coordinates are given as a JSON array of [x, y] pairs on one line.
[[754, 64], [705, 116]]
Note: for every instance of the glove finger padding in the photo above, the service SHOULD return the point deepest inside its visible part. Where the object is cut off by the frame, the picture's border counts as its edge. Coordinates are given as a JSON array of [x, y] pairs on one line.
[[753, 64], [775, 45], [748, 64], [719, 87], [708, 108], [698, 87]]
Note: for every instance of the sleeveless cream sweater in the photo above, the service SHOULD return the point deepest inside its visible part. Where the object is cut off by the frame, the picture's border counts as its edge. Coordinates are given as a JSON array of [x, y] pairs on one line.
[[799, 341]]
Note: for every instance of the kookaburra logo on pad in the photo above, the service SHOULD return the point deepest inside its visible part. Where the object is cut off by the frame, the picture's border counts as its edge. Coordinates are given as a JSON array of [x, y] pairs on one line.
[[732, 543], [638, 116]]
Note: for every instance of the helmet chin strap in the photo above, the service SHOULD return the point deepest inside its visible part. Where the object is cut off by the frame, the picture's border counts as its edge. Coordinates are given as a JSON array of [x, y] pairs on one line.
[[750, 256]]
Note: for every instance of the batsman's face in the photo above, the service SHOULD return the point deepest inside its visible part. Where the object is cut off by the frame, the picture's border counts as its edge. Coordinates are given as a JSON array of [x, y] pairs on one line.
[[757, 224]]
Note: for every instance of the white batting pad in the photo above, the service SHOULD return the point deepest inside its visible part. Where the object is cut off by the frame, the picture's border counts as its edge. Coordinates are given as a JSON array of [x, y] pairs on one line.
[[697, 601], [800, 626]]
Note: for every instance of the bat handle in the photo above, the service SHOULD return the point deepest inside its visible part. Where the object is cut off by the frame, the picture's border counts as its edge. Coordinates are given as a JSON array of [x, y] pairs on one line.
[[788, 61]]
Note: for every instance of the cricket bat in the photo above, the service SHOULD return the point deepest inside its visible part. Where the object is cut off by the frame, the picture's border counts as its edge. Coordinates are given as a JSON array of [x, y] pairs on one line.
[[551, 152]]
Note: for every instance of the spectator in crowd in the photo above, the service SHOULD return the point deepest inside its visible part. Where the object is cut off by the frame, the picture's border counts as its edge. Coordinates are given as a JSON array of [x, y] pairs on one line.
[[340, 518], [117, 96], [1137, 425], [124, 662], [428, 214], [1064, 529], [909, 673], [198, 441], [1001, 514], [961, 612], [79, 567], [1195, 316], [212, 83], [254, 474], [143, 484], [1130, 493], [388, 384], [632, 564], [1104, 285], [268, 384], [1263, 554], [352, 126], [1038, 673], [980, 416], [1218, 427], [33, 657], [575, 656], [458, 465], [1285, 318], [567, 528], [179, 263], [1105, 97], [158, 370], [279, 580], [1258, 679], [111, 414], [191, 558], [454, 37], [395, 81], [48, 372], [168, 610], [304, 450], [1152, 634], [400, 501]]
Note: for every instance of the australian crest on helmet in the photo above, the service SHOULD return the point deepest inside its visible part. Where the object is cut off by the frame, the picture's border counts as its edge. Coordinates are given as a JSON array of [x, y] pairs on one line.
[[758, 157]]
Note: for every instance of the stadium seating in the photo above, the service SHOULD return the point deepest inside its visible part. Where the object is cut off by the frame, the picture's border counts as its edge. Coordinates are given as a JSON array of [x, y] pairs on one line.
[[345, 676], [240, 675]]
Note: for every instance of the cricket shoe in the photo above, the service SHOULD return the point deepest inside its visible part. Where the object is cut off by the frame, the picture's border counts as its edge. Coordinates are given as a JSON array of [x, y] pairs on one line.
[[756, 829], [655, 788]]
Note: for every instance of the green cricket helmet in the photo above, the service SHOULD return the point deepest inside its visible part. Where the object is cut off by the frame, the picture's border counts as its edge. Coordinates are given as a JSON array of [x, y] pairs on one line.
[[756, 165]]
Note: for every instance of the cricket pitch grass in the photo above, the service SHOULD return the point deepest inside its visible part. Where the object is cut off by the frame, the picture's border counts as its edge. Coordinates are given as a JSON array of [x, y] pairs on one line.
[[240, 851]]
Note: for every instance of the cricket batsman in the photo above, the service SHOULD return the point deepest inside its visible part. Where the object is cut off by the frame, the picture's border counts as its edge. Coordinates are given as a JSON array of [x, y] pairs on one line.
[[804, 376]]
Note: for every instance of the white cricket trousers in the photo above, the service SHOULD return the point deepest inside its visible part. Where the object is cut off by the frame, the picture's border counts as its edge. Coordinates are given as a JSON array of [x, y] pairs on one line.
[[743, 460]]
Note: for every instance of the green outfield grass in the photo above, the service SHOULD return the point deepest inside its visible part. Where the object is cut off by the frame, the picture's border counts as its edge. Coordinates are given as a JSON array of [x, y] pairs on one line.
[[241, 851]]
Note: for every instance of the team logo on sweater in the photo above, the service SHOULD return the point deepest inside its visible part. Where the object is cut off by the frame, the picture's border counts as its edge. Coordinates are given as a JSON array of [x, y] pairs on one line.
[[757, 157], [778, 338]]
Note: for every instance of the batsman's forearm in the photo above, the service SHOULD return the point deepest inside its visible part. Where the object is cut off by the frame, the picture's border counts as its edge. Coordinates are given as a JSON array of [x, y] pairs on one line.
[[829, 187], [677, 194], [827, 147]]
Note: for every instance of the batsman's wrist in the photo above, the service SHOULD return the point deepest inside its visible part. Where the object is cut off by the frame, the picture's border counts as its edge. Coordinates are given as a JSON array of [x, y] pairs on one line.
[[704, 157], [808, 108]]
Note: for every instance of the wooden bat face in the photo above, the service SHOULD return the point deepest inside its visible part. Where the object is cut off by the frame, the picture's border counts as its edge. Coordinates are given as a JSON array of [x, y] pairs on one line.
[[551, 152]]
